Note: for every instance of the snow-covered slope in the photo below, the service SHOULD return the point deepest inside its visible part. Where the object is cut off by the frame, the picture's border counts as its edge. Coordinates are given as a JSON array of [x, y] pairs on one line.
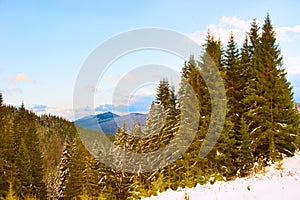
[[273, 184]]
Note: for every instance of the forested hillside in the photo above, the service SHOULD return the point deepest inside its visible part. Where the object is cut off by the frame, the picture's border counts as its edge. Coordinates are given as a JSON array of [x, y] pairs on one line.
[[30, 150], [261, 125]]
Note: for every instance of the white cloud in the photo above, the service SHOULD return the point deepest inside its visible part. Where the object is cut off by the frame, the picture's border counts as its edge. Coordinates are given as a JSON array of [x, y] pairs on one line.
[[21, 77], [67, 113], [286, 33], [236, 22], [292, 65], [294, 29], [240, 27], [222, 30]]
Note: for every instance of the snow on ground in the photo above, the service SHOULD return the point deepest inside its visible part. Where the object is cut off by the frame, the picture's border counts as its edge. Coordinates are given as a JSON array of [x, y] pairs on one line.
[[274, 184]]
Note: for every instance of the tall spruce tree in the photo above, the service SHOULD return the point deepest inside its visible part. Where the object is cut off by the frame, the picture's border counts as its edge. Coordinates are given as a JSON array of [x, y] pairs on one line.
[[3, 160], [23, 171], [163, 94], [274, 120], [244, 157], [23, 144], [238, 77], [155, 120], [254, 37], [166, 98], [83, 175], [246, 76], [233, 78], [209, 61], [64, 168], [32, 141]]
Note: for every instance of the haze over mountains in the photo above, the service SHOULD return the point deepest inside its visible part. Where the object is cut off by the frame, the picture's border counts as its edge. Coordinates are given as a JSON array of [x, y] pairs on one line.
[[109, 122]]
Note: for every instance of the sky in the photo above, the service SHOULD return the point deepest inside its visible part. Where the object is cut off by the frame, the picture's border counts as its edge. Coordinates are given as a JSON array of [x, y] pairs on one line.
[[44, 44]]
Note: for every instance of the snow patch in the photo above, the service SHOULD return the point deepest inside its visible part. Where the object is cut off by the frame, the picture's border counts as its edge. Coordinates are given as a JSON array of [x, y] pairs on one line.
[[280, 181]]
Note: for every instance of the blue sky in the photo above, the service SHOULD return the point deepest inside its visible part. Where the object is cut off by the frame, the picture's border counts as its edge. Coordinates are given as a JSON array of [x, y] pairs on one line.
[[43, 44]]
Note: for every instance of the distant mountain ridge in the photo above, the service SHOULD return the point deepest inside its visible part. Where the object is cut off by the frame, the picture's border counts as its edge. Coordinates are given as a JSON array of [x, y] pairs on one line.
[[109, 122]]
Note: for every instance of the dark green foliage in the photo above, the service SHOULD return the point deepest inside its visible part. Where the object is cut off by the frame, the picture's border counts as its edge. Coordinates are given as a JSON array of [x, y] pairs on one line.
[[83, 175], [64, 169], [26, 156], [234, 78], [226, 151], [271, 113], [4, 165], [244, 159], [23, 176], [24, 159], [261, 125], [254, 37], [261, 122]]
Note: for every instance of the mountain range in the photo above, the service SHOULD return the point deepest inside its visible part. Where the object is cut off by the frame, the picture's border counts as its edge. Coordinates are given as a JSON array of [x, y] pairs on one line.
[[109, 122]]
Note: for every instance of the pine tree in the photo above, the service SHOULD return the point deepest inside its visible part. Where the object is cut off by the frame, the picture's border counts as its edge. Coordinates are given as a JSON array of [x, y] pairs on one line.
[[254, 37], [23, 171], [17, 151], [107, 182], [158, 184], [246, 77], [24, 148], [64, 168], [234, 81], [155, 120], [238, 76], [212, 68], [281, 111], [167, 99], [29, 143], [83, 176], [3, 159], [74, 183], [137, 188], [172, 121], [244, 158], [226, 151], [187, 131], [214, 49], [91, 178], [272, 113], [192, 77], [163, 96], [32, 141]]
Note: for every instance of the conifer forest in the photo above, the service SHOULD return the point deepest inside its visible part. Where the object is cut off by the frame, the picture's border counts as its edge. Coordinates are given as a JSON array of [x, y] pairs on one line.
[[42, 157]]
